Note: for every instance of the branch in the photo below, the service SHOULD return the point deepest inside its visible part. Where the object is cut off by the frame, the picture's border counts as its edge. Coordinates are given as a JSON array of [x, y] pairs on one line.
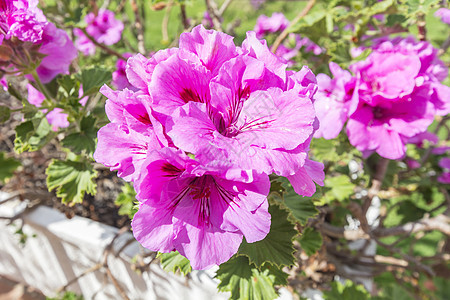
[[104, 47], [184, 18], [138, 26], [285, 32], [214, 14], [224, 6], [440, 223]]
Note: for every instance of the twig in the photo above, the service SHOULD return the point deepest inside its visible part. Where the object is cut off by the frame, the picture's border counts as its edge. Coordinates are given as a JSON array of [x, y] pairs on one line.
[[410, 259], [285, 32], [139, 27], [440, 223], [116, 283], [73, 280], [184, 18], [224, 7], [377, 181], [103, 47], [103, 264], [165, 22], [213, 12]]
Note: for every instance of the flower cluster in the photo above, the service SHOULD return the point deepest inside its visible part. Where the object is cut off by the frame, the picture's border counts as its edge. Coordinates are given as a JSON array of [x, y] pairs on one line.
[[103, 27], [392, 97], [25, 31], [276, 24], [207, 124]]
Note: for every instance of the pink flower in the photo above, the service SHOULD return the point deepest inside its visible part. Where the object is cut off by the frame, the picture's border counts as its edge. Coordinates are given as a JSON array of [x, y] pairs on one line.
[[412, 163], [444, 163], [444, 14], [206, 125], [103, 27], [21, 19], [389, 102], [59, 51], [333, 101], [203, 211], [432, 70], [131, 133], [119, 76], [265, 25]]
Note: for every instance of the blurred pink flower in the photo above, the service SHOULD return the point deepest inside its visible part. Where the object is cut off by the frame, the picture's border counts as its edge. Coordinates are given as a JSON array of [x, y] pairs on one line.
[[444, 14], [444, 163], [103, 27]]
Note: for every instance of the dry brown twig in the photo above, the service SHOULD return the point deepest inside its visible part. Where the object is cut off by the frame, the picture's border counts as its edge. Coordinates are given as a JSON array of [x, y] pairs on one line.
[[103, 265]]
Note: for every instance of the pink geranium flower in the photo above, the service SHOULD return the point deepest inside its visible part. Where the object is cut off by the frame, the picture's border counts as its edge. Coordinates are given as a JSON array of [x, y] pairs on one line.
[[59, 51], [444, 163], [204, 127], [444, 14], [265, 25], [333, 101], [21, 19], [389, 101], [201, 210], [103, 27], [392, 106], [25, 21], [119, 76]]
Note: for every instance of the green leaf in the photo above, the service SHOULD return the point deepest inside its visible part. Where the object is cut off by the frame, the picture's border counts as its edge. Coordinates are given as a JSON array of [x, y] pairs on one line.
[[83, 140], [323, 149], [93, 78], [310, 241], [301, 208], [5, 113], [14, 92], [341, 188], [67, 296], [71, 180], [347, 291], [247, 282], [415, 7], [402, 213], [126, 200], [276, 248], [69, 85], [173, 261], [382, 7], [7, 167], [33, 135]]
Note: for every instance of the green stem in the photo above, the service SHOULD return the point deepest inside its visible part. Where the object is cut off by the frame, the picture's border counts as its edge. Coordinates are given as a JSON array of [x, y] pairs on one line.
[[41, 87]]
